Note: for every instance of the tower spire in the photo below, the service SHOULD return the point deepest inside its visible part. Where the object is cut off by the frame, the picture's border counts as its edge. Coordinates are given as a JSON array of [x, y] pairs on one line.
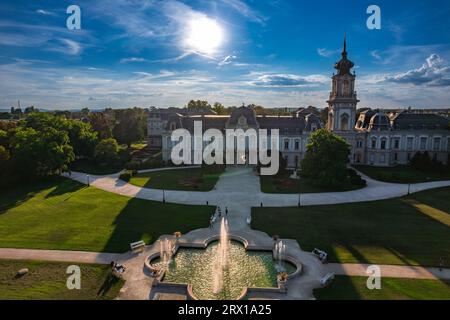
[[344, 50]]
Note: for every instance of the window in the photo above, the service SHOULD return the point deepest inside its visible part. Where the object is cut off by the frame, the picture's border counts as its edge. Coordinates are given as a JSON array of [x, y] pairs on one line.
[[395, 156], [409, 143], [359, 144], [423, 143], [297, 144], [286, 144], [374, 143], [372, 158], [383, 144], [396, 144], [437, 144], [409, 156], [344, 122], [382, 158]]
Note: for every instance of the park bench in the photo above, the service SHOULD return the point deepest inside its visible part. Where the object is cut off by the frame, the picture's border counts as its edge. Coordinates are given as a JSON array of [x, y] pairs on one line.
[[137, 246], [325, 280], [322, 255]]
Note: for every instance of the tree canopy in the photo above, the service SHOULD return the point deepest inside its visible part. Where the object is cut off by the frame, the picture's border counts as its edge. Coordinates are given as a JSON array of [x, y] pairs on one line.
[[326, 159]]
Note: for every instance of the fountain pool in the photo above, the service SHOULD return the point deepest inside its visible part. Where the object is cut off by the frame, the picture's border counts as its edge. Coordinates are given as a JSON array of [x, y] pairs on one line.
[[238, 269]]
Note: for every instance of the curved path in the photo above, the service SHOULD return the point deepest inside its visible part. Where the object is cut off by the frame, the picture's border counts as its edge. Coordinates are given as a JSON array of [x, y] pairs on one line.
[[243, 183], [238, 188]]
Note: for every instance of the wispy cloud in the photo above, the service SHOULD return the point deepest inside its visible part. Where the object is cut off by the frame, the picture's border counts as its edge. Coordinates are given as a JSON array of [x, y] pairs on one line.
[[324, 52], [66, 46], [245, 10], [288, 80], [227, 60], [44, 12], [132, 59]]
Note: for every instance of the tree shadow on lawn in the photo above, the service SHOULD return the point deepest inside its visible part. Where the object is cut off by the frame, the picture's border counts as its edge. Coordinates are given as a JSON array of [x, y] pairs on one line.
[[20, 194], [148, 220], [383, 232], [65, 186]]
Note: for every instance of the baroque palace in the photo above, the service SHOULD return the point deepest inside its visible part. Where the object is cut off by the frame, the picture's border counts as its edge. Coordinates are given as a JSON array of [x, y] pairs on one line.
[[376, 138]]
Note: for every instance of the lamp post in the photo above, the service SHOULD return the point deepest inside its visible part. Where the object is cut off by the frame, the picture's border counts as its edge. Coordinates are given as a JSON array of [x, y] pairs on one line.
[[409, 188], [87, 178], [164, 197]]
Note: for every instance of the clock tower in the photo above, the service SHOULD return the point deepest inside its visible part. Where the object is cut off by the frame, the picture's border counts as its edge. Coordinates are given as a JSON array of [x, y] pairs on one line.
[[342, 102]]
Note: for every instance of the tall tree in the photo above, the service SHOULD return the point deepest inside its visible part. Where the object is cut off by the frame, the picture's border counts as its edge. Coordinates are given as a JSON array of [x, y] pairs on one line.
[[102, 124], [40, 153], [131, 126], [219, 108], [326, 159], [198, 104]]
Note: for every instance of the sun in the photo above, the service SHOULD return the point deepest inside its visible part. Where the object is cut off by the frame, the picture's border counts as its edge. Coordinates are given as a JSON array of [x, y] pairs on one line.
[[204, 35]]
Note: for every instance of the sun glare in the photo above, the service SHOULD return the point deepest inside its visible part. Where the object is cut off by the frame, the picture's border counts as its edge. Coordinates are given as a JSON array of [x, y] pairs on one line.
[[204, 35]]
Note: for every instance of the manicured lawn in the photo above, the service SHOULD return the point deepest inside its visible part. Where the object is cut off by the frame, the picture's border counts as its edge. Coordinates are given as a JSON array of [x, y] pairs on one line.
[[63, 214], [47, 281], [402, 174], [284, 184], [412, 230], [354, 288], [180, 179]]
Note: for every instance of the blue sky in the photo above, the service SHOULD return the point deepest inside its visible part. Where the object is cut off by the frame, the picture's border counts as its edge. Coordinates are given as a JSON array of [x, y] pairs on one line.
[[274, 53]]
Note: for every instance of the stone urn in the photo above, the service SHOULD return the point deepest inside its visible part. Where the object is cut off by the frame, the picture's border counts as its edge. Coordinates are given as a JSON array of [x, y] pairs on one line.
[[282, 281]]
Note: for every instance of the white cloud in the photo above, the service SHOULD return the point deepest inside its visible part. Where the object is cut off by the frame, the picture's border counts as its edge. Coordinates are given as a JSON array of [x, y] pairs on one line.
[[434, 72], [288, 80], [44, 12], [324, 52], [66, 46], [132, 59], [242, 8]]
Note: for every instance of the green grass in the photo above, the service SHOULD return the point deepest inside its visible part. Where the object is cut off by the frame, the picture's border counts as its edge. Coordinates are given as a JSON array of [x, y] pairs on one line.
[[354, 288], [401, 174], [47, 280], [63, 214], [414, 230], [284, 184], [180, 179]]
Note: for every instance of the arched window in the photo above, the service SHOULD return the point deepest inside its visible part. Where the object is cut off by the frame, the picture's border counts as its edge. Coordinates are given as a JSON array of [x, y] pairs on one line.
[[346, 88], [344, 122]]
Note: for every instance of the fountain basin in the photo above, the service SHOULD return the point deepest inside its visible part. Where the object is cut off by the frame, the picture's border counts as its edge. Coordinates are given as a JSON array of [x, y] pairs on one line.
[[192, 268]]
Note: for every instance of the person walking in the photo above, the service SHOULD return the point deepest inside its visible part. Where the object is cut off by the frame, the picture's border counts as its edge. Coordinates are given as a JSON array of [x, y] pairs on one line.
[[226, 211]]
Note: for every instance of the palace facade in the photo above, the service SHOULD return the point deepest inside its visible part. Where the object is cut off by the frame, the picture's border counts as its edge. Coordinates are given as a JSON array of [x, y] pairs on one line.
[[376, 138]]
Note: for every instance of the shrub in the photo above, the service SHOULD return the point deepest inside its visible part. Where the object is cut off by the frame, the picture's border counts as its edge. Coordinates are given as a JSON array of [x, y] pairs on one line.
[[357, 181], [106, 152], [126, 176]]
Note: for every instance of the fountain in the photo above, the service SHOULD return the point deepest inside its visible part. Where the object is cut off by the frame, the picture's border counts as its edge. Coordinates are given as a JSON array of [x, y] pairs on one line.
[[165, 252], [278, 255], [221, 259]]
